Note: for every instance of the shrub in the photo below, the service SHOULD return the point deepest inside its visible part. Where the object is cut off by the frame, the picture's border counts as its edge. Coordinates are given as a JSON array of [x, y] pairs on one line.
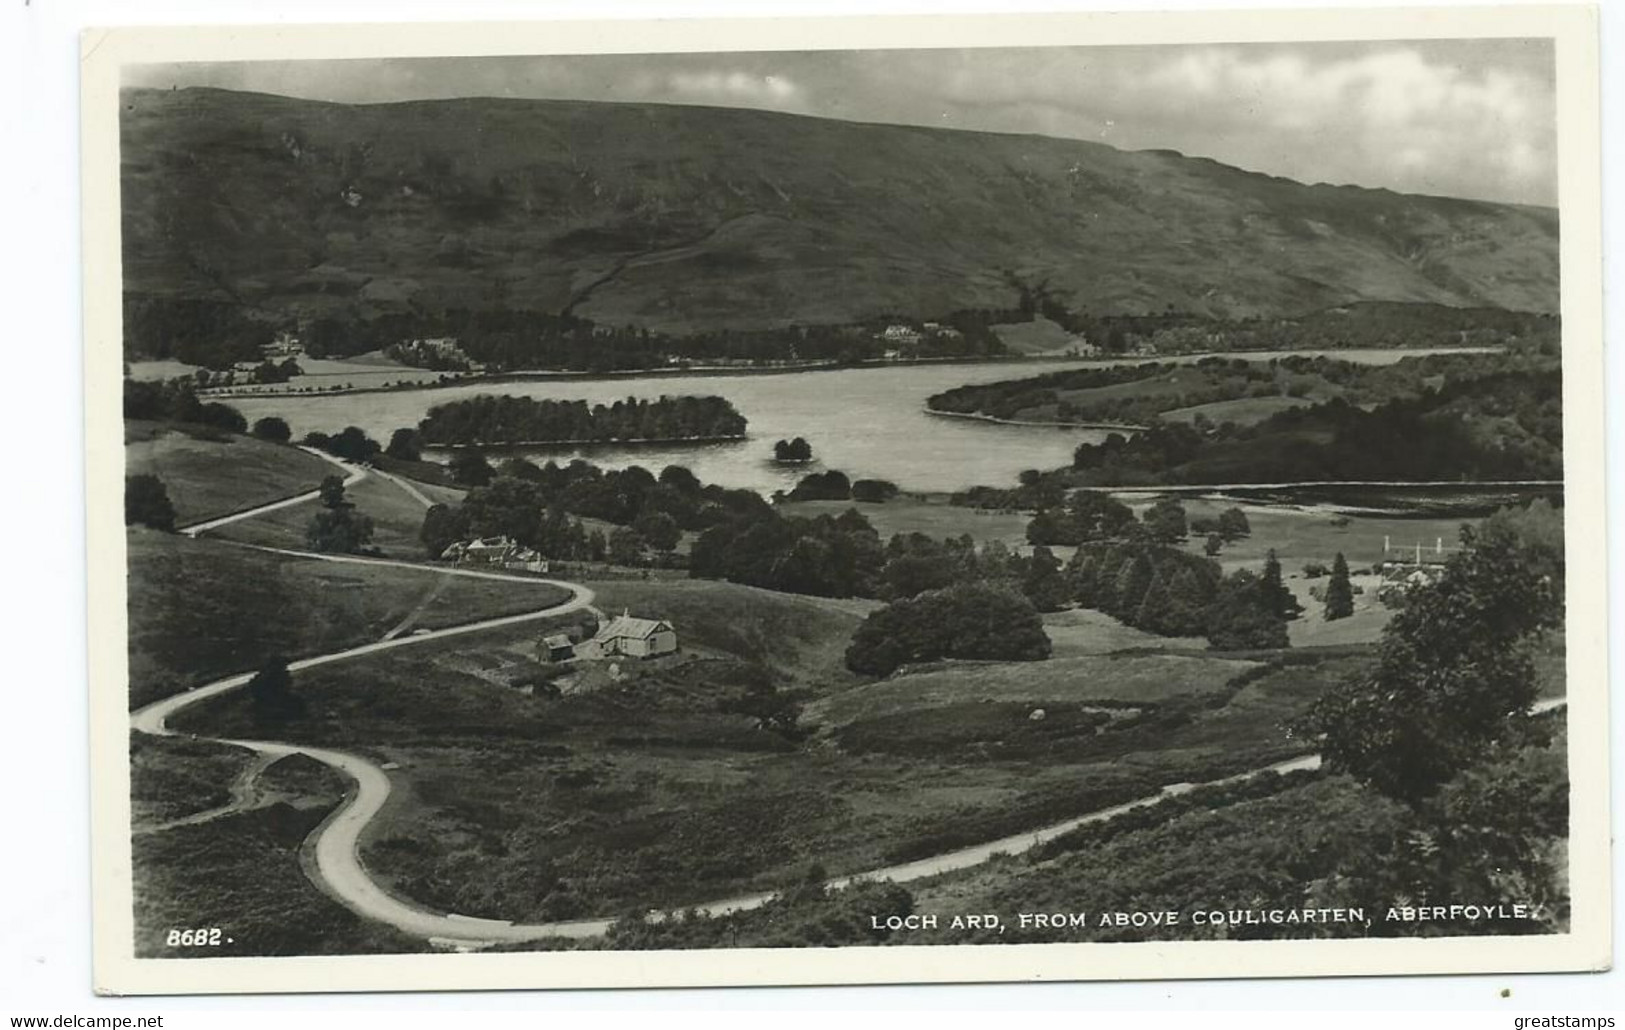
[[274, 429], [146, 503]]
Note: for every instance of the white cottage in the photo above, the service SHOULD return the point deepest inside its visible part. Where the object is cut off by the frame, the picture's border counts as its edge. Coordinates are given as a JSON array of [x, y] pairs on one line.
[[634, 638]]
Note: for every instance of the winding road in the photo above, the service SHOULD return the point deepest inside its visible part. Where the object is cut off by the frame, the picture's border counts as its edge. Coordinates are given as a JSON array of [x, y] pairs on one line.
[[335, 843]]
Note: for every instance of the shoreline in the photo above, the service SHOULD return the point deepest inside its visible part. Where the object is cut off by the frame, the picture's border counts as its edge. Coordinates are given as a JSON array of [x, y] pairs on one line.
[[977, 416], [653, 441], [567, 375]]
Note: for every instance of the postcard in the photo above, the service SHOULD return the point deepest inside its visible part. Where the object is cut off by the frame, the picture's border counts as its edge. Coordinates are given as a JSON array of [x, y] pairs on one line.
[[832, 500]]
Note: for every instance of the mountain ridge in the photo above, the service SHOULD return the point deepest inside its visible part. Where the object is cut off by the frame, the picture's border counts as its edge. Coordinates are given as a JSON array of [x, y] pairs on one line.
[[676, 218]]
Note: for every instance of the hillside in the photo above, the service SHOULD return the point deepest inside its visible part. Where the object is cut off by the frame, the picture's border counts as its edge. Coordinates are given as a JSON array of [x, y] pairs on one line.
[[679, 218]]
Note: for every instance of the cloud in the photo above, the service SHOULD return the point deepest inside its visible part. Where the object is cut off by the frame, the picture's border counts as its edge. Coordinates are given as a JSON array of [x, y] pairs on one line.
[[1469, 118], [737, 87]]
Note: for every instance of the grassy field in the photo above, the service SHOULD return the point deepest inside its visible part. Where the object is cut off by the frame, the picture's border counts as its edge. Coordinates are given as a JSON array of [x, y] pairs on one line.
[[1084, 631], [1312, 629], [1300, 536], [397, 519], [200, 609], [1129, 678], [801, 639], [171, 777], [242, 874], [1242, 411], [1040, 336], [933, 516], [514, 803], [209, 473]]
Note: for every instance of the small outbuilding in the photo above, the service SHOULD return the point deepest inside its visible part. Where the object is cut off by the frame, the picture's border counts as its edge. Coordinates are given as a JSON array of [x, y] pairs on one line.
[[558, 647]]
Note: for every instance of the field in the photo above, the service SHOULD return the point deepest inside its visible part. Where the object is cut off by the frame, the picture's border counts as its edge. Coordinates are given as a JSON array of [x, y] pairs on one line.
[[242, 874], [1242, 410], [209, 473], [1127, 678], [172, 777], [933, 516], [516, 802], [397, 520], [802, 639], [200, 609], [1084, 631], [1040, 336], [1312, 534]]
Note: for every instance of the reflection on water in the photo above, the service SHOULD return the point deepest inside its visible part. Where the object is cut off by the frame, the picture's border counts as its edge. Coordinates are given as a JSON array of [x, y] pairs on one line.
[[868, 422]]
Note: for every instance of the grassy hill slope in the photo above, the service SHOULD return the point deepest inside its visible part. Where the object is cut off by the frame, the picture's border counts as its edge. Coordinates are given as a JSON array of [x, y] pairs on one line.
[[678, 217], [210, 473]]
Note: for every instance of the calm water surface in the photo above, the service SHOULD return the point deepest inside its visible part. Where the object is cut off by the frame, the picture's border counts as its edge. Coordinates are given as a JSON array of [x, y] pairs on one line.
[[867, 422]]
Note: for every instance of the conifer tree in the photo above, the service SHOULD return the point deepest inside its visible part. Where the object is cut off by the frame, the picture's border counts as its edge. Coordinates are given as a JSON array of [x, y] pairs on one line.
[[1277, 597], [1339, 592], [1133, 580], [1187, 604], [1156, 608]]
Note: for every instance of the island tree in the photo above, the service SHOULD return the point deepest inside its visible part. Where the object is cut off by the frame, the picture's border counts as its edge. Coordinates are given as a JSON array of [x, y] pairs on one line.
[[797, 450]]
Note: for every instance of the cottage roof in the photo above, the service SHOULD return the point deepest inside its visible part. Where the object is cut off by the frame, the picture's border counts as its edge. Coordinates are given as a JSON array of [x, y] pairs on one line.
[[629, 626], [558, 640]]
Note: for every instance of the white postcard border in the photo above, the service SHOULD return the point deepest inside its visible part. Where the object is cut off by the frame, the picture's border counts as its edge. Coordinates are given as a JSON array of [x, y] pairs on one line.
[[1586, 947]]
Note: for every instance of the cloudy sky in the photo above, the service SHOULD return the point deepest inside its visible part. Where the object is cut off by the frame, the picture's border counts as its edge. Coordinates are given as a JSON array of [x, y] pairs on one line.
[[1466, 118]]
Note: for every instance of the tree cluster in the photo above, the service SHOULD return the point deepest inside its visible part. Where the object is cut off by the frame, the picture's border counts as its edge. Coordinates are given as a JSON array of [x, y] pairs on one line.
[[973, 620], [829, 556], [175, 400], [213, 334], [489, 419], [351, 444], [1500, 425], [796, 450]]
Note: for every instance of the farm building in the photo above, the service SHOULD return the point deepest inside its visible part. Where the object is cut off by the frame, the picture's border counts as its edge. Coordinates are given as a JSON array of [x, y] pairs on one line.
[[558, 647], [500, 551], [631, 637]]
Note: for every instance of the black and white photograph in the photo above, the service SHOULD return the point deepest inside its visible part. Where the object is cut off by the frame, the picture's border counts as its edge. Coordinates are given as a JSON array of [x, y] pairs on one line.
[[947, 499]]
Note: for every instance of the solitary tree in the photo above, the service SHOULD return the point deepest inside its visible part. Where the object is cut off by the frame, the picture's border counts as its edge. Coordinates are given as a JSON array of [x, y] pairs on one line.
[[271, 691], [1277, 597], [1215, 544], [1233, 524], [1165, 521], [1339, 592], [146, 503], [274, 429], [332, 492], [338, 527]]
